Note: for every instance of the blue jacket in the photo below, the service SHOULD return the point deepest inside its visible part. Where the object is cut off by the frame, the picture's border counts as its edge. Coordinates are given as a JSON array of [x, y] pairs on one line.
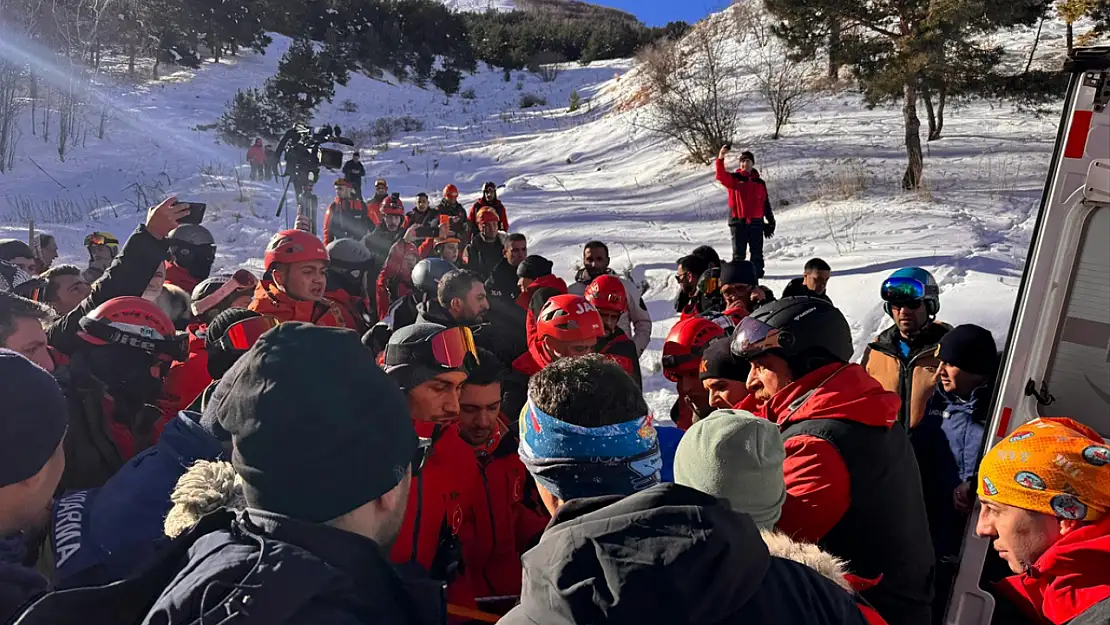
[[669, 438], [964, 424], [18, 582], [103, 534]]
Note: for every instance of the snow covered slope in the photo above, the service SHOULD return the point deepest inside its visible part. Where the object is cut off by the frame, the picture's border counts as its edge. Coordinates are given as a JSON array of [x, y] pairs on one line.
[[571, 177], [480, 5]]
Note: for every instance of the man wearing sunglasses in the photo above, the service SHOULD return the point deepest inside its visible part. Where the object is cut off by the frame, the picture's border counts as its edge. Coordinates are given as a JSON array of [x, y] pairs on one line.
[[903, 357], [192, 251], [852, 482], [431, 363]]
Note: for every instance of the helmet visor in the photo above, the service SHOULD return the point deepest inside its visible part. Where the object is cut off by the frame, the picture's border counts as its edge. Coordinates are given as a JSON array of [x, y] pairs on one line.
[[451, 347], [241, 335], [903, 290], [98, 239], [753, 337]]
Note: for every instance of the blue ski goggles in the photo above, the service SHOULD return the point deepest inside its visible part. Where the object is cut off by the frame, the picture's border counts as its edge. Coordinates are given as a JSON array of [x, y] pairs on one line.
[[896, 290]]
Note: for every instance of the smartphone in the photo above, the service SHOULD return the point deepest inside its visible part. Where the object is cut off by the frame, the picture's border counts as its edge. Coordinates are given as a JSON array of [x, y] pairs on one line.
[[195, 214], [396, 195], [444, 220], [728, 146]]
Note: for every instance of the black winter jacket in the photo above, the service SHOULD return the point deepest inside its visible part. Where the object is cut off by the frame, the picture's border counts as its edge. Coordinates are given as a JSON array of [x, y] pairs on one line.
[[128, 274], [798, 288], [672, 555], [503, 339]]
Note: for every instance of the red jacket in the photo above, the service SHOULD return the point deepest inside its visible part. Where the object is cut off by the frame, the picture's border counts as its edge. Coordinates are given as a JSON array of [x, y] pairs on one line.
[[621, 350], [817, 480], [747, 194], [349, 219], [180, 278], [393, 283], [256, 155], [186, 380], [510, 519], [350, 306], [549, 281], [496, 206], [1072, 576], [444, 498], [270, 300]]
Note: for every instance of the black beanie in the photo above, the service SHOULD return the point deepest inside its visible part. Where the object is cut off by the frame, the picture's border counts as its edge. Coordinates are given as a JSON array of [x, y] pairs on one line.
[[739, 272], [219, 360], [33, 420], [534, 267], [718, 362], [402, 360], [747, 155], [14, 248], [971, 348], [318, 429]]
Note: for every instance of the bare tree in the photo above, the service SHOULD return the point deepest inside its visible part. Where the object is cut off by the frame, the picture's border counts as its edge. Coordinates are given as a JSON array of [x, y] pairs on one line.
[[11, 103], [784, 84], [545, 64], [694, 90]]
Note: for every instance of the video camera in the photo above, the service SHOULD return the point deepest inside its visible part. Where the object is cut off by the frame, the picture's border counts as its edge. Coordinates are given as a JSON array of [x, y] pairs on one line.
[[304, 154]]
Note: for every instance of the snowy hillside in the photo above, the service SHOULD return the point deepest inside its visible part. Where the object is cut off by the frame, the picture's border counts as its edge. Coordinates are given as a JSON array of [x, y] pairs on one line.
[[570, 177], [480, 5]]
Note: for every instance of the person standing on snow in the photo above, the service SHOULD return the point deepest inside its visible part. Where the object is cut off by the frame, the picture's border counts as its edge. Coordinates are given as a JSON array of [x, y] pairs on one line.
[[293, 287], [687, 275], [489, 200], [374, 205], [272, 164], [503, 282], [395, 283], [516, 517], [852, 481], [1045, 495], [192, 251], [430, 363], [670, 554], [32, 425], [750, 216], [256, 157], [608, 295], [354, 172], [347, 217], [422, 214], [487, 249], [903, 357], [812, 283], [450, 209], [636, 322]]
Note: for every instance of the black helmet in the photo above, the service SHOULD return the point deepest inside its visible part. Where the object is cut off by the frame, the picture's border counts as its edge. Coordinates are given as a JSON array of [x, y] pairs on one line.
[[806, 331], [427, 274], [349, 255]]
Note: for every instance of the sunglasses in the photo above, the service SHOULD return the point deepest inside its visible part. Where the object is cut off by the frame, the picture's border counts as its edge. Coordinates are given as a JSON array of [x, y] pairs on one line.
[[753, 337], [241, 335], [912, 304]]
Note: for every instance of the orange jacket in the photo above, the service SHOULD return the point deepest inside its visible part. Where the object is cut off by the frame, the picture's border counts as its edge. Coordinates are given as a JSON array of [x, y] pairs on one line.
[[270, 300]]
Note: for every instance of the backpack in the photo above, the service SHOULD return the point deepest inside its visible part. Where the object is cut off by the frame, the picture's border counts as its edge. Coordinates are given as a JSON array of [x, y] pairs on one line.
[[276, 582]]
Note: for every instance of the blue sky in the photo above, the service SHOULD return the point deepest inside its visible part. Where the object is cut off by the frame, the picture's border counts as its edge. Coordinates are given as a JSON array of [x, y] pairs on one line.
[[659, 12]]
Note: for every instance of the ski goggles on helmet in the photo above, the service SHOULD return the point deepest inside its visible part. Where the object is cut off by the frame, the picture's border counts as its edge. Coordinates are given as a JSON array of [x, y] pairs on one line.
[[241, 280], [450, 349], [98, 238], [175, 347], [901, 290], [241, 335], [753, 337]]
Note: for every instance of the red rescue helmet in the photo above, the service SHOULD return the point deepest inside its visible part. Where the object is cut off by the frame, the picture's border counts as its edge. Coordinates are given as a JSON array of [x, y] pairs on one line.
[[393, 206], [607, 293], [685, 345], [451, 191], [294, 246], [569, 318], [344, 183], [137, 323], [486, 215]]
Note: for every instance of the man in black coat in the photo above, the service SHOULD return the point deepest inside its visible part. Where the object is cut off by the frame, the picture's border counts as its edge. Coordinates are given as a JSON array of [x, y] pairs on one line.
[[354, 172], [812, 283]]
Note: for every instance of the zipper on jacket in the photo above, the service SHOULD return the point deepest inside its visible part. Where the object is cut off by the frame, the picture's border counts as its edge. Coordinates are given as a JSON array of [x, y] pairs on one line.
[[492, 525], [436, 432]]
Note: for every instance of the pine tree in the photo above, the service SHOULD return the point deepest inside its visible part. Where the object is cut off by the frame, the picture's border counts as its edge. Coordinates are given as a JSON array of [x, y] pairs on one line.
[[303, 80]]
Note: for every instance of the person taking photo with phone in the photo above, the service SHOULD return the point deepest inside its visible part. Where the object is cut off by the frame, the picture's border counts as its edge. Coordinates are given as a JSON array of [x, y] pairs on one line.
[[750, 217]]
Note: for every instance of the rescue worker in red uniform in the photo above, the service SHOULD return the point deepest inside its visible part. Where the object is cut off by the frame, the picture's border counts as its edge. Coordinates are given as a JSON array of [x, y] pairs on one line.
[[293, 286], [609, 297], [348, 217]]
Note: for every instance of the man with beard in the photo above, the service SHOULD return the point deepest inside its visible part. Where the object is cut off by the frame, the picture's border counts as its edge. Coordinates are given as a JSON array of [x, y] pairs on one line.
[[489, 200], [503, 282], [192, 251], [488, 248], [636, 322], [374, 204], [683, 351], [738, 288], [348, 217]]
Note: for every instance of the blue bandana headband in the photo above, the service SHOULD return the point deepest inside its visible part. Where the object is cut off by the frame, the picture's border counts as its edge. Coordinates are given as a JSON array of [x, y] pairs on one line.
[[572, 461]]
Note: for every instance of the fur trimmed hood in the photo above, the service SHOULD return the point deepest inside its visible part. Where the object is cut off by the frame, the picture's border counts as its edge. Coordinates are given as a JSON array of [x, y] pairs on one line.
[[829, 566]]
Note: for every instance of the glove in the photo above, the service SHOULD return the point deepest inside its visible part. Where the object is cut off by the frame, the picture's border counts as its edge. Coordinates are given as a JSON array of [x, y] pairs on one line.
[[769, 229]]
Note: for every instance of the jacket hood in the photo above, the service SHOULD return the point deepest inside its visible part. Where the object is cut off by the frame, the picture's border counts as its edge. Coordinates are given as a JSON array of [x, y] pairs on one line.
[[753, 174], [432, 312], [829, 566], [976, 405], [669, 554], [836, 391], [1068, 579]]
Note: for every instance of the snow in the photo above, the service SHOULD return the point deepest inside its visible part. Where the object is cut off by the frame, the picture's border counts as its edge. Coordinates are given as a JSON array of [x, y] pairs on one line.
[[571, 177], [480, 5]]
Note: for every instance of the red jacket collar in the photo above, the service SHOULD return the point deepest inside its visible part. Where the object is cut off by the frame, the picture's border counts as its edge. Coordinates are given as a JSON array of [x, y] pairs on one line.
[[836, 391], [1068, 579], [548, 281], [532, 361]]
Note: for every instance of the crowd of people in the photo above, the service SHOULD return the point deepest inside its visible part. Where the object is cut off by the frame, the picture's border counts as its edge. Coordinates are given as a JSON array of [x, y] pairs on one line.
[[412, 420]]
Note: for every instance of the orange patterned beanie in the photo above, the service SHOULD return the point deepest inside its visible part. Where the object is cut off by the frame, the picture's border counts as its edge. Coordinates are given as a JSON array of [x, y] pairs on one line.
[[1051, 465]]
